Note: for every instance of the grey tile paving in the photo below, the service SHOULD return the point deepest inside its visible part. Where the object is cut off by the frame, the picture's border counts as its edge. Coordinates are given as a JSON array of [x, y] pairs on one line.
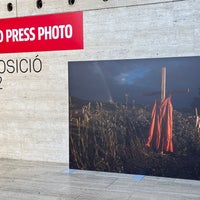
[[24, 180]]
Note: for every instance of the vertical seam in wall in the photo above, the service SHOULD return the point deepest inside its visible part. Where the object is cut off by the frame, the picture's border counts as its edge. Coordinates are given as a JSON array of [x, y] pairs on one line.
[[16, 8]]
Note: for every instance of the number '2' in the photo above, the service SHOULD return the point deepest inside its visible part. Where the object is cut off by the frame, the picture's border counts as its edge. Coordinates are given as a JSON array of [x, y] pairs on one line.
[[1, 82]]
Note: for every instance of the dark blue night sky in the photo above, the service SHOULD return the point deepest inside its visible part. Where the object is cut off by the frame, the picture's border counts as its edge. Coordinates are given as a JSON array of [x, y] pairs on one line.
[[112, 80]]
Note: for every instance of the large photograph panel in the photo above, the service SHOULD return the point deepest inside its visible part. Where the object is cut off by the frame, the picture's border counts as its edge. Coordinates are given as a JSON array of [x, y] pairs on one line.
[[137, 116]]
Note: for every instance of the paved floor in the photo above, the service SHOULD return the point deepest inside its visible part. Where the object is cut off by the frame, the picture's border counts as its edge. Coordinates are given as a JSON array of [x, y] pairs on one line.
[[24, 180]]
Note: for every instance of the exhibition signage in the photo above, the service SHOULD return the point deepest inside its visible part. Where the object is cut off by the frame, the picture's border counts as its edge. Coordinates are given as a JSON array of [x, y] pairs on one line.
[[51, 32]]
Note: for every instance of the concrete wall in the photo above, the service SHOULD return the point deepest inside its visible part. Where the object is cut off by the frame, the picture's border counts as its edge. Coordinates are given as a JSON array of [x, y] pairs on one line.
[[34, 107]]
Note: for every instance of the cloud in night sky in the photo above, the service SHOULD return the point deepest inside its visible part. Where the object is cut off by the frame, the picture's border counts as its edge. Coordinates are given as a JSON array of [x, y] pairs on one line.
[[130, 77]]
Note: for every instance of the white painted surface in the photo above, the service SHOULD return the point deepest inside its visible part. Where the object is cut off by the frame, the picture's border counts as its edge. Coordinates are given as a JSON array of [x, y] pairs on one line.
[[34, 107]]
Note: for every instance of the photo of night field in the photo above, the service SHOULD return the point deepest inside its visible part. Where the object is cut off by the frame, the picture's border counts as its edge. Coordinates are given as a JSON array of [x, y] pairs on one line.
[[137, 116]]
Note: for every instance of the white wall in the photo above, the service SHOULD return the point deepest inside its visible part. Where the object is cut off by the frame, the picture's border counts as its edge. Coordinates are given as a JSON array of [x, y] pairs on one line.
[[34, 107]]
